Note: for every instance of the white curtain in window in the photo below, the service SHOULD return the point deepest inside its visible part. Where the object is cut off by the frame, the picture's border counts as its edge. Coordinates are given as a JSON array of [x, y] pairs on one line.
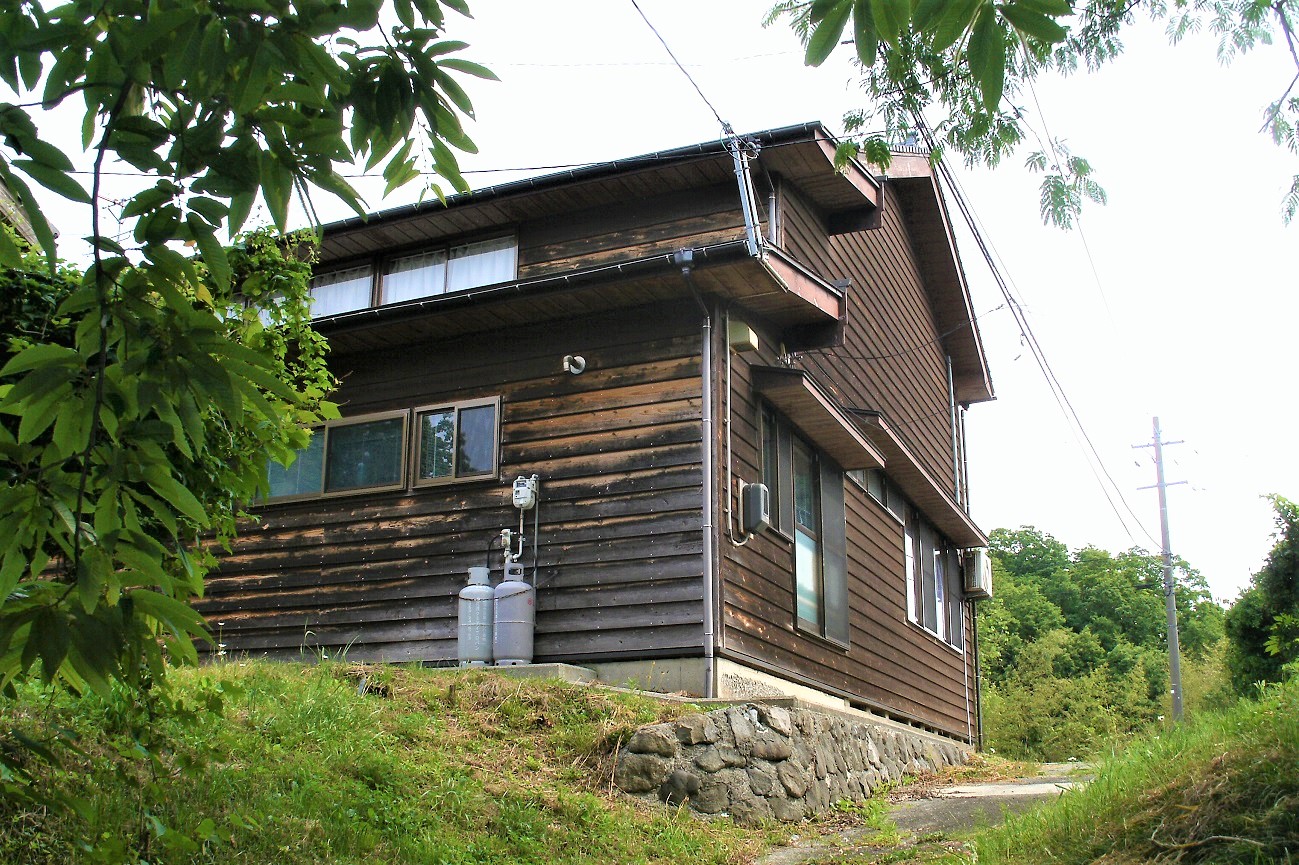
[[414, 276], [485, 263], [340, 291]]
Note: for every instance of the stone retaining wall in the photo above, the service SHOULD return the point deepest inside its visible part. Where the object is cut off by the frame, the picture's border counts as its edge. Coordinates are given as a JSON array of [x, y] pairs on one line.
[[757, 761]]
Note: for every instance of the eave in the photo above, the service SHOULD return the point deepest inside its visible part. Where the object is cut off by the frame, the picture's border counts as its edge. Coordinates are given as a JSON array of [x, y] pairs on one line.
[[772, 286], [817, 416], [803, 153], [919, 485], [933, 240]]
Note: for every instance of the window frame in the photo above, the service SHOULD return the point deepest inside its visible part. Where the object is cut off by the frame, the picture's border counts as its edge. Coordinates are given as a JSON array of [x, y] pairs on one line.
[[946, 581], [408, 450], [373, 417], [456, 406], [778, 441], [378, 265], [812, 533]]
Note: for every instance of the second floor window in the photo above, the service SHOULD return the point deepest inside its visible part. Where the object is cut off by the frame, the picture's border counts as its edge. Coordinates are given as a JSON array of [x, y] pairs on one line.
[[427, 273]]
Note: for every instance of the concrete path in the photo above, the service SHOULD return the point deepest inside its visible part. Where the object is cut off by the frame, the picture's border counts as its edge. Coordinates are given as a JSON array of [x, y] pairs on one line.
[[946, 811], [953, 810]]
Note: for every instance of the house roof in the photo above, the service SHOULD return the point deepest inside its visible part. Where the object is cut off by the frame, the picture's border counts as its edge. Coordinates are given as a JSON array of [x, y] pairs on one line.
[[925, 212], [803, 154]]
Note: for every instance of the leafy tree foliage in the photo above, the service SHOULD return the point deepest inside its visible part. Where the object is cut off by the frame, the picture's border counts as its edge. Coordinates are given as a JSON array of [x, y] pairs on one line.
[[1073, 647], [971, 64], [141, 399], [1263, 624]]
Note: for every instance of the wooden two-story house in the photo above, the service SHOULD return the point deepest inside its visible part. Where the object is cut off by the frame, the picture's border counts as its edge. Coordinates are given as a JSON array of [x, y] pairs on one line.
[[648, 337]]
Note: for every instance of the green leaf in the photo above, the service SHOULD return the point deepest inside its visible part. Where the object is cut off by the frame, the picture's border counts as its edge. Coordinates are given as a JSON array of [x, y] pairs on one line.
[[469, 68], [177, 616], [93, 570], [827, 33], [1054, 8], [927, 13], [174, 493], [35, 216], [1034, 24], [864, 35], [987, 56], [41, 355], [954, 20], [53, 179], [10, 254], [214, 253], [891, 18]]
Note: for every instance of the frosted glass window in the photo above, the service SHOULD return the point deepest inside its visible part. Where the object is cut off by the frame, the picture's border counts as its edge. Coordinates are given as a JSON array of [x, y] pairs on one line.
[[339, 291], [484, 263], [304, 476], [414, 276], [362, 455]]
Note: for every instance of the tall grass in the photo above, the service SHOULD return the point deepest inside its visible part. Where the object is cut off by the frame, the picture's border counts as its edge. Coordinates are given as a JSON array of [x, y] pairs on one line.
[[343, 764], [1223, 788]]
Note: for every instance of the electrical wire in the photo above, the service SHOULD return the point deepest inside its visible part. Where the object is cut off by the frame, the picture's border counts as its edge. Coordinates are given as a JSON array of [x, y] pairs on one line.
[[726, 127], [1035, 348], [906, 351]]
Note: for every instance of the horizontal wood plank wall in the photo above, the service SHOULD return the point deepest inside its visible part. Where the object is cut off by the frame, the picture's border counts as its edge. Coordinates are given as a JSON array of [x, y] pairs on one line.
[[892, 356], [635, 228], [891, 663], [618, 452]]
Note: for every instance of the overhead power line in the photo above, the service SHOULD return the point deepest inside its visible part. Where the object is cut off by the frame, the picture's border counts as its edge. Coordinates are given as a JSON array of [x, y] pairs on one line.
[[1094, 461], [726, 127]]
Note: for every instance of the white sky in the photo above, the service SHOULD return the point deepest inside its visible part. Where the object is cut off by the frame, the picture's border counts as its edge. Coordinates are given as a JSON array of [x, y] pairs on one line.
[[1188, 317]]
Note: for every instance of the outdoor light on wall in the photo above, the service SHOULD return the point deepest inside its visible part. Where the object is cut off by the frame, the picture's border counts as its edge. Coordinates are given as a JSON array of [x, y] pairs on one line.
[[574, 364]]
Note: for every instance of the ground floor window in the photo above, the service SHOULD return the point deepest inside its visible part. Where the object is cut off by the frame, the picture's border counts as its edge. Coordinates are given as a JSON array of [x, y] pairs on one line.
[[372, 453], [934, 587], [807, 507]]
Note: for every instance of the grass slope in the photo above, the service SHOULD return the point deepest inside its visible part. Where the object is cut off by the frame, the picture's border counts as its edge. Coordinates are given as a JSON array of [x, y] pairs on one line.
[[338, 763], [1223, 788]]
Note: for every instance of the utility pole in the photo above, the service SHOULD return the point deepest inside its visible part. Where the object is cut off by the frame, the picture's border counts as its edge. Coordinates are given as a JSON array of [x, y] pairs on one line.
[[1170, 586]]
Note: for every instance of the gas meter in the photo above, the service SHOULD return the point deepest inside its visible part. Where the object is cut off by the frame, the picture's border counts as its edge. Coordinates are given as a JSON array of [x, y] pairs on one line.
[[525, 493]]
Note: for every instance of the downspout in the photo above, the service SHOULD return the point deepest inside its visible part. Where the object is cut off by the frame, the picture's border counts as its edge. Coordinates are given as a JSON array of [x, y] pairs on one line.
[[978, 678], [685, 260], [956, 438], [965, 463]]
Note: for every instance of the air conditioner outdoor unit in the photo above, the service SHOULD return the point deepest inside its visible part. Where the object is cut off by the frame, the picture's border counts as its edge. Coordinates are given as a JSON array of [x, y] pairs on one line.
[[978, 573]]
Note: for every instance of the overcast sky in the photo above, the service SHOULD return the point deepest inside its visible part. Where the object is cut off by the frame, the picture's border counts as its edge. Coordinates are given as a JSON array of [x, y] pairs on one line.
[[1177, 299]]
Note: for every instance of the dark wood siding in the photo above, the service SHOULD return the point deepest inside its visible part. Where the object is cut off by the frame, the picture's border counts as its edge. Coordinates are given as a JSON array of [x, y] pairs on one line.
[[619, 454], [891, 664], [637, 227], [892, 356]]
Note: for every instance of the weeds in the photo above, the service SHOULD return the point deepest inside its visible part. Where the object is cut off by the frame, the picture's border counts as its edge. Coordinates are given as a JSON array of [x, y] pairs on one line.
[[334, 763], [1221, 789]]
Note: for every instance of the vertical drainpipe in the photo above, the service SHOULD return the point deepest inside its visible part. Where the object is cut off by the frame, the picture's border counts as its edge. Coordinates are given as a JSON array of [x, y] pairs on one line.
[[956, 438], [965, 464], [710, 570], [685, 260]]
